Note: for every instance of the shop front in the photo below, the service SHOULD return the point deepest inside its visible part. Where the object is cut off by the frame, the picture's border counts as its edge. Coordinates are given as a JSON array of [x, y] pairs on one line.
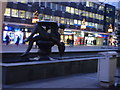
[[14, 31]]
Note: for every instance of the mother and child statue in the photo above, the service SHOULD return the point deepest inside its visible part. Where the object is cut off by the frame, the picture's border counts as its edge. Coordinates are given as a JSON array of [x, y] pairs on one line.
[[47, 37]]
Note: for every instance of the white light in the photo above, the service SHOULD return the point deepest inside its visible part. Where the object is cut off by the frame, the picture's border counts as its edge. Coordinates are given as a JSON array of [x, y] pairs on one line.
[[26, 29], [6, 27]]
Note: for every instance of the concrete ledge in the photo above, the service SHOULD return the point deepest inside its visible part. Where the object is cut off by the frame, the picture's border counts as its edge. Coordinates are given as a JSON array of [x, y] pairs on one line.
[[28, 71]]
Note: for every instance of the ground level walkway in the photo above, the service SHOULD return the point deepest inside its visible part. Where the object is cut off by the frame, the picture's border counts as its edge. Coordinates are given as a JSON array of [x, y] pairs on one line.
[[22, 47]]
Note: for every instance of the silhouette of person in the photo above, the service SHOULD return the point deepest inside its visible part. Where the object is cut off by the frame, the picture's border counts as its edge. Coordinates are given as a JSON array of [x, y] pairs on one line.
[[54, 36], [7, 39], [17, 42]]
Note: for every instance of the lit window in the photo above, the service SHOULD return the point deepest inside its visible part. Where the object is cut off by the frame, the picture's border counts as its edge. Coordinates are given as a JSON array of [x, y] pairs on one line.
[[41, 16], [68, 9], [7, 12], [101, 8], [97, 16], [68, 21], [62, 20], [96, 25], [87, 4], [72, 10], [47, 17], [14, 13], [58, 19], [22, 1], [87, 14], [80, 12], [71, 22], [79, 22], [76, 11], [102, 17], [21, 14], [28, 15], [75, 22], [91, 4], [83, 13], [91, 15]]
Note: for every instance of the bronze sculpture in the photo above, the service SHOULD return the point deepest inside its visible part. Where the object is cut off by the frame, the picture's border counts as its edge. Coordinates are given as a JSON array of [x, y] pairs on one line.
[[45, 40]]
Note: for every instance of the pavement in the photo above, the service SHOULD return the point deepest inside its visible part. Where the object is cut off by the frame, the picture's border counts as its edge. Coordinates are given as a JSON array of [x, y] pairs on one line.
[[88, 80], [22, 47]]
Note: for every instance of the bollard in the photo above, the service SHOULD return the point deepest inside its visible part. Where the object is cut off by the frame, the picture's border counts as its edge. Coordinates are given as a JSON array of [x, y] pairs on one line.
[[107, 68]]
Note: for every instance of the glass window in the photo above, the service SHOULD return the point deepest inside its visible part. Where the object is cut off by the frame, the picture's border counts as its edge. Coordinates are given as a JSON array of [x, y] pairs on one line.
[[102, 17], [58, 7], [108, 19], [97, 16], [68, 21], [87, 14], [21, 14], [91, 4], [80, 11], [48, 4], [96, 6], [72, 10], [76, 11], [23, 1], [92, 24], [86, 23], [96, 25], [101, 8], [41, 16], [7, 12], [68, 9], [75, 21], [71, 22], [52, 18], [42, 4], [14, 13], [47, 17], [87, 4], [62, 20], [84, 13], [58, 19], [79, 22], [63, 8], [53, 6], [94, 16], [91, 15], [28, 15]]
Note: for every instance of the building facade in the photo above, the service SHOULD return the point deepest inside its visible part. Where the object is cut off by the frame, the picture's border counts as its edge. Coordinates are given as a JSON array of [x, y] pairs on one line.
[[87, 23]]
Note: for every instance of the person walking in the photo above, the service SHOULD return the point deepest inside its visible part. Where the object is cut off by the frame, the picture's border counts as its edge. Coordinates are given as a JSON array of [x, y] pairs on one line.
[[17, 42], [7, 39]]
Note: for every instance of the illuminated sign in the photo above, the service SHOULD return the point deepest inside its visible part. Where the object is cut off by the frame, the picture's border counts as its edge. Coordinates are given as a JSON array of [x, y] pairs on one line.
[[83, 26], [35, 18], [110, 28]]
